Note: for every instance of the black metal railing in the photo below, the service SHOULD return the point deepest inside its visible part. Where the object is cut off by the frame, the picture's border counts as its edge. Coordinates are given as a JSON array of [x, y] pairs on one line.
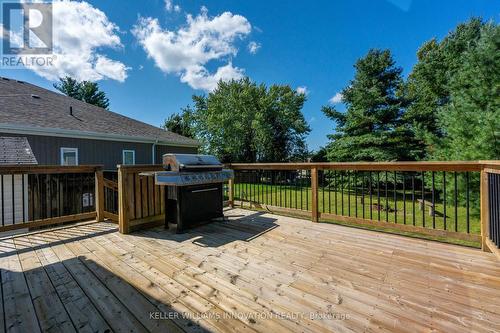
[[442, 196], [33, 193], [280, 188], [494, 208], [434, 199], [111, 192], [55, 195], [110, 200]]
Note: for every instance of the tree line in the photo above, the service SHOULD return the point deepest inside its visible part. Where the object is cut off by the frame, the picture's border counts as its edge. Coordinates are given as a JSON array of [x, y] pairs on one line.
[[448, 108], [242, 121]]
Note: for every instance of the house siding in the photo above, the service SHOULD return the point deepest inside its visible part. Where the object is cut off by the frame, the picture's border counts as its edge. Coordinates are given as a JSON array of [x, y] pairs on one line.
[[160, 150], [47, 150]]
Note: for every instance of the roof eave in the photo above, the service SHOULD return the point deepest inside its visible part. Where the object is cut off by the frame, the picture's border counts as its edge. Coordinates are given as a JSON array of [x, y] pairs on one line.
[[30, 130]]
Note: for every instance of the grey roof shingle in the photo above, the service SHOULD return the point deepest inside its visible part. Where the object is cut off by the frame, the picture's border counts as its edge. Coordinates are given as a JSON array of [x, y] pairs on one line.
[[25, 104], [16, 150]]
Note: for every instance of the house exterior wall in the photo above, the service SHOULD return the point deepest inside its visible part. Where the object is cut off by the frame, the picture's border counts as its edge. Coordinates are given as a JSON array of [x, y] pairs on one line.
[[12, 192], [47, 150], [160, 150]]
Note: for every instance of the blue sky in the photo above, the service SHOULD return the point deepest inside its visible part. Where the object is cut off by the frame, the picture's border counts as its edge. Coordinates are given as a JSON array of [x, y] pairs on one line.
[[152, 70]]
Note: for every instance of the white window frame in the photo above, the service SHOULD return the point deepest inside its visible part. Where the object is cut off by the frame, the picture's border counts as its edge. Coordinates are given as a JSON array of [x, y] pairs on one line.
[[124, 151], [68, 149]]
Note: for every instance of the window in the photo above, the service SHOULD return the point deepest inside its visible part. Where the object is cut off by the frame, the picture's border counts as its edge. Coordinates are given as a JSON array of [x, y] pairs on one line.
[[128, 157], [69, 156]]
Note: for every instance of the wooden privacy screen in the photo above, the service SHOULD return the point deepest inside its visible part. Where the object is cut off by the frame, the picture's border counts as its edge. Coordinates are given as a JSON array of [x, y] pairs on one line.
[[140, 202]]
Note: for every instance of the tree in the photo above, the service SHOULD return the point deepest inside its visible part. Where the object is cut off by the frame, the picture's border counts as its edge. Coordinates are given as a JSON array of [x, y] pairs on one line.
[[69, 87], [280, 126], [320, 155], [181, 123], [371, 129], [470, 122], [226, 118], [241, 121], [91, 94], [428, 87], [85, 91]]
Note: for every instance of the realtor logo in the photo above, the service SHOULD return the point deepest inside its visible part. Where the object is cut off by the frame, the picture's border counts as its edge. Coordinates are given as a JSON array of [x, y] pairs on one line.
[[27, 28]]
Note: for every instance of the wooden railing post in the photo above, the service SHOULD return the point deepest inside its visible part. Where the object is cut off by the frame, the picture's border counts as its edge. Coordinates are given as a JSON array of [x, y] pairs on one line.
[[314, 194], [99, 194], [231, 192], [484, 210], [123, 218]]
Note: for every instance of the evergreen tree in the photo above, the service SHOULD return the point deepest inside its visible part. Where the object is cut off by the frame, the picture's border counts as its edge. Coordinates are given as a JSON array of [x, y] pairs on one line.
[[428, 87], [320, 155], [85, 91], [69, 87], [181, 123], [90, 93], [371, 129], [471, 120]]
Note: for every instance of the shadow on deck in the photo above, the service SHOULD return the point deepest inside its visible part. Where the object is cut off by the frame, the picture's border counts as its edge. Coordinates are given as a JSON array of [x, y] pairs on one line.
[[221, 231]]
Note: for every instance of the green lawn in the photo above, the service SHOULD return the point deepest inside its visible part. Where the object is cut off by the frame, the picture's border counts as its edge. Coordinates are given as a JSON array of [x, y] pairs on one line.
[[332, 202]]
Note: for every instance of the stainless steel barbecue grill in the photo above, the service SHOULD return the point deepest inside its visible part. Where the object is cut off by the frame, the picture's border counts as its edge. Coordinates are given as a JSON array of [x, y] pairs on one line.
[[188, 169], [194, 189]]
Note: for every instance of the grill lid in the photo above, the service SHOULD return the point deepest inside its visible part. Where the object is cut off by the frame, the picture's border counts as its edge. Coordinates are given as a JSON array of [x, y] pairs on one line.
[[172, 178], [190, 162]]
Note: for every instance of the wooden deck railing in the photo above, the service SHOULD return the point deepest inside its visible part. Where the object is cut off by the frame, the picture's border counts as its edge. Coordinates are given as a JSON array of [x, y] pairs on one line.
[[34, 196], [441, 199], [141, 203], [452, 200]]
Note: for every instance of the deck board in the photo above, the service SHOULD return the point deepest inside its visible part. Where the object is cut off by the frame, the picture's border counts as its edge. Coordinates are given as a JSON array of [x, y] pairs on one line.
[[254, 272], [19, 311], [50, 311]]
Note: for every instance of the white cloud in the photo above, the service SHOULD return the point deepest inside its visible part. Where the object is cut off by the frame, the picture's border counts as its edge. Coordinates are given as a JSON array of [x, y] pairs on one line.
[[188, 50], [336, 99], [170, 7], [302, 90], [253, 47], [110, 68], [199, 78], [80, 31]]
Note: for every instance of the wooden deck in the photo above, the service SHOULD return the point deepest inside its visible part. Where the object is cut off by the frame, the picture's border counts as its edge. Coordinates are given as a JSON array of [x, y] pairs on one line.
[[257, 272]]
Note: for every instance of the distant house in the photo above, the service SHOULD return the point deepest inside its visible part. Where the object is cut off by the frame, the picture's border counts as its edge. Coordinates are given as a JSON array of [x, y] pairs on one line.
[[64, 131], [15, 151], [14, 188]]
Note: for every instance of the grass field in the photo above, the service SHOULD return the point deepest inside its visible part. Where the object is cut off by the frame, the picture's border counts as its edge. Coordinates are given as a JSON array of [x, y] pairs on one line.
[[401, 212]]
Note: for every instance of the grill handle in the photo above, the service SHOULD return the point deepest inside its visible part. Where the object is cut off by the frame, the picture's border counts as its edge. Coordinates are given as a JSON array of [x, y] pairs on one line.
[[201, 166], [205, 190]]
